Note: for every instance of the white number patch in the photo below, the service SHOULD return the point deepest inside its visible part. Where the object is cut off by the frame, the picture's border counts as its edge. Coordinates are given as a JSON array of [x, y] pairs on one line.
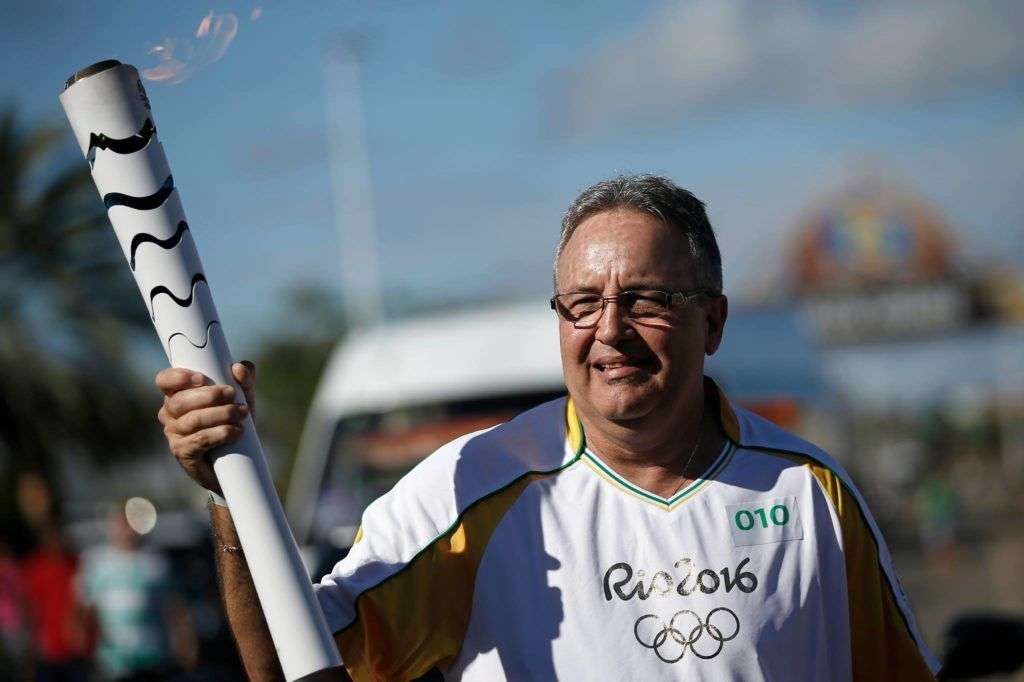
[[759, 522]]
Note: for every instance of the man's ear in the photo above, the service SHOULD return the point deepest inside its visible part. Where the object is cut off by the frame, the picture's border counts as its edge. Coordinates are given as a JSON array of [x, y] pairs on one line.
[[715, 313]]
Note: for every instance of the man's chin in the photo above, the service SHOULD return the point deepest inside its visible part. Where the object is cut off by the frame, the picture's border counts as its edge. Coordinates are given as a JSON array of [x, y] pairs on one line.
[[623, 409]]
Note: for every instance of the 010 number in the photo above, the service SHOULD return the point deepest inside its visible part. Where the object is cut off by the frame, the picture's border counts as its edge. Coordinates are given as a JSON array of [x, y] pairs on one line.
[[775, 516]]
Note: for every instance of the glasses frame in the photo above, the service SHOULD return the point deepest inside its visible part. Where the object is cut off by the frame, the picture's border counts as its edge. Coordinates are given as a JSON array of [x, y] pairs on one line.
[[672, 298]]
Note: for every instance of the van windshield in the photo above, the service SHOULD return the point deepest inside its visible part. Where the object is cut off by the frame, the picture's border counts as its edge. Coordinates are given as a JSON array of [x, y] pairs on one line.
[[370, 452]]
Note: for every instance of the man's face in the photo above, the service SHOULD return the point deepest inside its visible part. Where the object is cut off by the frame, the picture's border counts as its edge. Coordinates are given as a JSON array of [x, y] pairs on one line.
[[624, 370]]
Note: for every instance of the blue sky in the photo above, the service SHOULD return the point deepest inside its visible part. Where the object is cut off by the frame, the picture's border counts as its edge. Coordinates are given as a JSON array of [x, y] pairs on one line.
[[484, 119]]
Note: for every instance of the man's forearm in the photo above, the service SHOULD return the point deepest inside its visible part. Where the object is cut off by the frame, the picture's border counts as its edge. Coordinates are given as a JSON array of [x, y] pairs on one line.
[[242, 606]]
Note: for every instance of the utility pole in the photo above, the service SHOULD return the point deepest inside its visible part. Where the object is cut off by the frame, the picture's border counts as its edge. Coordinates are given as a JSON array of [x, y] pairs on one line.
[[351, 190]]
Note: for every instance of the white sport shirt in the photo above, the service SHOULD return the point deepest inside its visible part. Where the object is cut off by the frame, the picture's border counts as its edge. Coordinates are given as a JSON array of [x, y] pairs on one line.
[[516, 553]]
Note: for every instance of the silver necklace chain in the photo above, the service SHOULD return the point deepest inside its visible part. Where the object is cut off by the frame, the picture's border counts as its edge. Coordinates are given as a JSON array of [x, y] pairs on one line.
[[696, 446]]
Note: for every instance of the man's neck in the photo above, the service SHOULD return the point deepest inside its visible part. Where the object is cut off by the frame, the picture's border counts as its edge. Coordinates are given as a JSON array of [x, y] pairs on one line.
[[660, 460]]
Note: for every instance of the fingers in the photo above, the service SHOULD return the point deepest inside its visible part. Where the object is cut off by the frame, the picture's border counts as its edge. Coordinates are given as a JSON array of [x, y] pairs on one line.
[[190, 451], [197, 420], [183, 402], [193, 435], [174, 379]]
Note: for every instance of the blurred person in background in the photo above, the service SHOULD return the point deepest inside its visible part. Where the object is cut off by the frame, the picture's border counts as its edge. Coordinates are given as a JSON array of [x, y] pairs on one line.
[[60, 638], [14, 634], [144, 629]]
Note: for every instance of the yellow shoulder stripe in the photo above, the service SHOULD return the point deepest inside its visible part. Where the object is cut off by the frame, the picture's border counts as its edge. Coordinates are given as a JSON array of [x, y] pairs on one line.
[[881, 644], [574, 428], [416, 619]]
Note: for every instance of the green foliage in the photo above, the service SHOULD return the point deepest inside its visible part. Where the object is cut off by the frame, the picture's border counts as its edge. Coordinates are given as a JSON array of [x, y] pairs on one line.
[[290, 361], [69, 311]]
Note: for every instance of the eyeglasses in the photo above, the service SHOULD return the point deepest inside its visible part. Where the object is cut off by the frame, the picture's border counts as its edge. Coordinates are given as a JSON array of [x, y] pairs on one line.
[[584, 309]]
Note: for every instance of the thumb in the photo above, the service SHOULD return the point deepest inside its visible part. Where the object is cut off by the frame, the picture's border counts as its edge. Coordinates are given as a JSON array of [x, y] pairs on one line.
[[245, 374]]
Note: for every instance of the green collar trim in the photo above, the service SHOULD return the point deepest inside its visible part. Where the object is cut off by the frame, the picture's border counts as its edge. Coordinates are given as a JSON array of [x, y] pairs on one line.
[[712, 471]]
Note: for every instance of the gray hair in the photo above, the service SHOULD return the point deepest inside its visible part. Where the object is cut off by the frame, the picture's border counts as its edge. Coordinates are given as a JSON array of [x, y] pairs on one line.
[[661, 198]]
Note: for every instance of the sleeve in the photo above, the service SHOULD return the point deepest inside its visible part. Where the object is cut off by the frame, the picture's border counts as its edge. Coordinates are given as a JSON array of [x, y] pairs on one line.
[[399, 603], [885, 643]]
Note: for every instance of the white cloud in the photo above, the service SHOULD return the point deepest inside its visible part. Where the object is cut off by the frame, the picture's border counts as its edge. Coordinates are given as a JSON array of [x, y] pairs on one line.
[[707, 54]]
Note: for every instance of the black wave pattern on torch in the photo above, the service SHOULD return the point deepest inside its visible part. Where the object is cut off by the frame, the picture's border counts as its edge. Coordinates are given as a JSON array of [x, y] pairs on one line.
[[146, 203], [183, 302], [192, 343], [146, 238], [124, 145]]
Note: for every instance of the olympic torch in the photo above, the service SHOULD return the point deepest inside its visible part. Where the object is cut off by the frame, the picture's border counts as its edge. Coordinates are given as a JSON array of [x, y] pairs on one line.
[[113, 123]]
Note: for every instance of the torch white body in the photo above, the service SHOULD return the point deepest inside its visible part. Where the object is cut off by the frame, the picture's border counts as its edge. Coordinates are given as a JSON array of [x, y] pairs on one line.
[[110, 114]]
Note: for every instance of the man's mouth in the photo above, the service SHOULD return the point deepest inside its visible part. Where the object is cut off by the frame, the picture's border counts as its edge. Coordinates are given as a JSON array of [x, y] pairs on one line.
[[622, 368]]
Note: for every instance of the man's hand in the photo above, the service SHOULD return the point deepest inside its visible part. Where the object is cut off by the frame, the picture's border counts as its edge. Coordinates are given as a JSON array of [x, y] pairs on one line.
[[199, 415]]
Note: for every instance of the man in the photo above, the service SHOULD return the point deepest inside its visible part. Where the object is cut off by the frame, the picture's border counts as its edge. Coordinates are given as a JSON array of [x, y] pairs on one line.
[[642, 528]]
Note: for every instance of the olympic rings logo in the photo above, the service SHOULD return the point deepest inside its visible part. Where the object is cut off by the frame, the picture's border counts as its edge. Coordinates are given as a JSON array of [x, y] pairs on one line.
[[683, 632]]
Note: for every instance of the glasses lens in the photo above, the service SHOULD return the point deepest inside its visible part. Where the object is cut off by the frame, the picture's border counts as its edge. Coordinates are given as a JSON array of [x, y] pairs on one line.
[[645, 303], [580, 309]]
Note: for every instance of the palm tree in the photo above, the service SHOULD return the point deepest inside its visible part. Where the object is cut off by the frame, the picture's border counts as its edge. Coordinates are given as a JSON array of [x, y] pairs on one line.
[[69, 314]]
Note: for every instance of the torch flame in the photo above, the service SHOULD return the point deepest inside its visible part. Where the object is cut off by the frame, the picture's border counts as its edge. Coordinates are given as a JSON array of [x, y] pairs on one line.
[[178, 60]]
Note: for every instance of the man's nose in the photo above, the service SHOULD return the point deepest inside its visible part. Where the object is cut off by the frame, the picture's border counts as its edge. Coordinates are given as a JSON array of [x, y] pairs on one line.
[[611, 326]]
